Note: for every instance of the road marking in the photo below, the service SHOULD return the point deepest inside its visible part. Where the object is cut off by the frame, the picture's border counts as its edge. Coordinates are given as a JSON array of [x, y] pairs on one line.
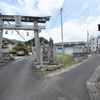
[[19, 59]]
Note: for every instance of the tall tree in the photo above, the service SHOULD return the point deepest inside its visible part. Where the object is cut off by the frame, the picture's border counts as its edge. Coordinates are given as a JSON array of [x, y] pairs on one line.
[[32, 41]]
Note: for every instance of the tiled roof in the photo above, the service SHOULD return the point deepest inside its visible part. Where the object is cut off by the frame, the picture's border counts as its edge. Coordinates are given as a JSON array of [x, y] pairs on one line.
[[7, 40], [70, 43]]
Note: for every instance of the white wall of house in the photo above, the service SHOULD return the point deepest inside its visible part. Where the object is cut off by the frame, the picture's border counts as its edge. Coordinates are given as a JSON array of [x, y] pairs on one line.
[[10, 47], [93, 43], [69, 50]]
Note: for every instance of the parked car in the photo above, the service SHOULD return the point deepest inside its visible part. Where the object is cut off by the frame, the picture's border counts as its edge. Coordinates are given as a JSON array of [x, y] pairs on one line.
[[20, 53]]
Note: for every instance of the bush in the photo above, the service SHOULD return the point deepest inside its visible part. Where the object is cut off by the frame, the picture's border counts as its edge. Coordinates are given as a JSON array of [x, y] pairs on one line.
[[12, 52]]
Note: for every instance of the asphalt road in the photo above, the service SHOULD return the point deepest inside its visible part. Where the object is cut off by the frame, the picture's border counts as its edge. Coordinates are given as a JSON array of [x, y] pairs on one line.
[[19, 81]]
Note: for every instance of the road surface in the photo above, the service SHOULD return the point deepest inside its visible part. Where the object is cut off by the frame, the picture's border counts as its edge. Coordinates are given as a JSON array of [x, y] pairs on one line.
[[19, 81]]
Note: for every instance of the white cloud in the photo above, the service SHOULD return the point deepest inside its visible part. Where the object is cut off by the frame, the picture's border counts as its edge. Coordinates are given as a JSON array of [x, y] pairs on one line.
[[8, 9], [99, 8], [49, 6], [31, 7], [84, 6], [74, 31]]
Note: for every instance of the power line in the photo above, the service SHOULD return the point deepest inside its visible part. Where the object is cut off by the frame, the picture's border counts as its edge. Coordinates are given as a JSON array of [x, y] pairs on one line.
[[17, 31], [70, 17], [68, 14], [63, 3], [54, 22]]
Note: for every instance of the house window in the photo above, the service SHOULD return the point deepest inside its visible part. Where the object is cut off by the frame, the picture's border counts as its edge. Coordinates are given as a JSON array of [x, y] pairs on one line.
[[93, 47], [59, 48]]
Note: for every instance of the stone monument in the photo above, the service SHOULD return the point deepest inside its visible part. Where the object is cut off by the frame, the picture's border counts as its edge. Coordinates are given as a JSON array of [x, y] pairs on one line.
[[48, 56], [48, 52]]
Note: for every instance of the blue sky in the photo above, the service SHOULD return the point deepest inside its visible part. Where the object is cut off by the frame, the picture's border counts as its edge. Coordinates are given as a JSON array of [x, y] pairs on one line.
[[78, 17]]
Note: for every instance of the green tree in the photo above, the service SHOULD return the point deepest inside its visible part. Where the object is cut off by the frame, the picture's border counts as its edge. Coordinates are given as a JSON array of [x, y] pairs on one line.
[[32, 41], [21, 44]]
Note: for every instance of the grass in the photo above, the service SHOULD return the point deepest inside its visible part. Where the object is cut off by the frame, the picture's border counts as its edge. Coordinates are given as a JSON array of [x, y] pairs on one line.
[[68, 59], [39, 71]]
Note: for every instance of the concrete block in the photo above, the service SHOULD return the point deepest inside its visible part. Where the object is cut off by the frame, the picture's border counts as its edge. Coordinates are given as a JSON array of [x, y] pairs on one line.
[[37, 66]]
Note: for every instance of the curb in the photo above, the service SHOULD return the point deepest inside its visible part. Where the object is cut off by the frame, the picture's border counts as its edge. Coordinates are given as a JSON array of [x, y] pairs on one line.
[[91, 85]]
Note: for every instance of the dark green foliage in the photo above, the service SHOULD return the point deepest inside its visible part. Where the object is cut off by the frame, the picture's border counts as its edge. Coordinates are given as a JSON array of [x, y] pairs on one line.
[[12, 52], [21, 44], [43, 40], [32, 41]]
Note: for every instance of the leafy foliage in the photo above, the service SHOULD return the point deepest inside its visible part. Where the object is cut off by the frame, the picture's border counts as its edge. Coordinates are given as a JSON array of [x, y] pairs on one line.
[[32, 41], [12, 52], [21, 44]]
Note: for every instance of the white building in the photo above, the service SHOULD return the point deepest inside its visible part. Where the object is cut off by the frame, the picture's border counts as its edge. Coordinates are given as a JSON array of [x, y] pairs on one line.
[[7, 45], [70, 47], [93, 43]]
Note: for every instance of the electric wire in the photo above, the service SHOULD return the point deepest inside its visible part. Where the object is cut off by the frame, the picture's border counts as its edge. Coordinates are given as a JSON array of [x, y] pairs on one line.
[[54, 23], [17, 31]]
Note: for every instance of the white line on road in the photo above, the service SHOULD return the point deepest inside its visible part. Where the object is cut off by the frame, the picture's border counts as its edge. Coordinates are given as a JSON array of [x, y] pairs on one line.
[[20, 59]]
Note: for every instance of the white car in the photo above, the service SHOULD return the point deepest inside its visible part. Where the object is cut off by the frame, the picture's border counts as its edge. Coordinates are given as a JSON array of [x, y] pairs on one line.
[[20, 53]]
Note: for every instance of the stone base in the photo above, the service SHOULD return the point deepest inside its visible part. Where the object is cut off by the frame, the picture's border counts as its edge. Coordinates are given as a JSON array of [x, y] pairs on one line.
[[49, 67]]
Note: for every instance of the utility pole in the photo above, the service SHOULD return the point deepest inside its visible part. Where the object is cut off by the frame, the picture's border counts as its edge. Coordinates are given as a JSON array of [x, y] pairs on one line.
[[87, 41], [62, 37]]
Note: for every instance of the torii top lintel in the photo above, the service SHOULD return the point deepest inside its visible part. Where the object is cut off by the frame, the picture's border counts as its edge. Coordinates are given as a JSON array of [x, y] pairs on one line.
[[25, 18]]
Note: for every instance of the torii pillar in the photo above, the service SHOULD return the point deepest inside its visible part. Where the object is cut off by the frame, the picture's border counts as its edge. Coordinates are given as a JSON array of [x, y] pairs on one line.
[[37, 41], [1, 32]]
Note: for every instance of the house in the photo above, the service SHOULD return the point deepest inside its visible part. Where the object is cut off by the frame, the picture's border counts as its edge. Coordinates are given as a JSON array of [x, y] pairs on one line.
[[70, 47], [7, 45], [93, 43]]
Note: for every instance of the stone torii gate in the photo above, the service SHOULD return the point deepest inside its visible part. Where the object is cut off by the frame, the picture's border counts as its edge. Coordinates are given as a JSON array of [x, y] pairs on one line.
[[18, 26]]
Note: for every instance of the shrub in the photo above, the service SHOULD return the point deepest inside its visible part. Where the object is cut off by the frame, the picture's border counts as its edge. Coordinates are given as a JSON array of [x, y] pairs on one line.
[[12, 52]]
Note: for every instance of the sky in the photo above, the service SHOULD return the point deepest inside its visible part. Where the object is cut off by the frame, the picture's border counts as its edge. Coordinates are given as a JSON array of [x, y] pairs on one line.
[[78, 16]]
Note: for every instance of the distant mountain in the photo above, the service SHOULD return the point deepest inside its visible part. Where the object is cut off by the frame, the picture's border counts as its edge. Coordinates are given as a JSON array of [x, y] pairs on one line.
[[29, 42]]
